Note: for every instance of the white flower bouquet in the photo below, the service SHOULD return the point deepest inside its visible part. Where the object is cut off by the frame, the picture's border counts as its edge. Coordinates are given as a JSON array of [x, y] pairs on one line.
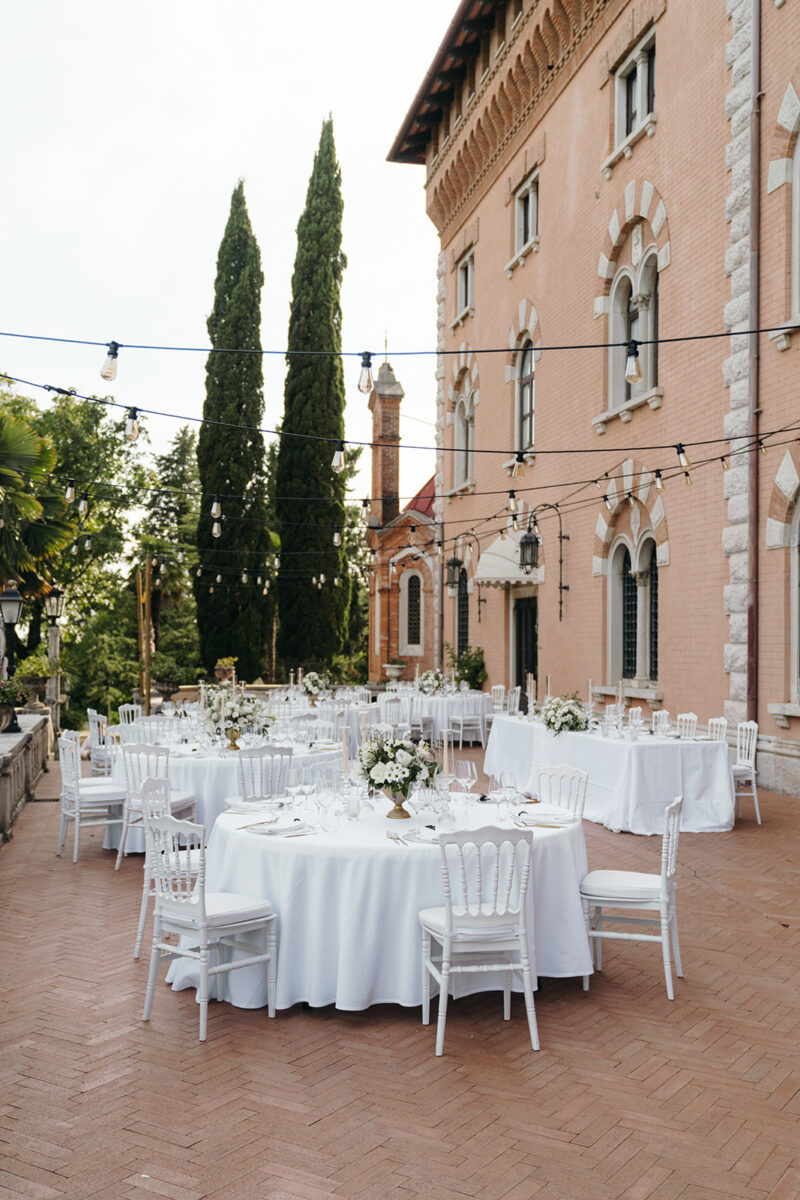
[[564, 713], [431, 682], [314, 683], [226, 708], [396, 765]]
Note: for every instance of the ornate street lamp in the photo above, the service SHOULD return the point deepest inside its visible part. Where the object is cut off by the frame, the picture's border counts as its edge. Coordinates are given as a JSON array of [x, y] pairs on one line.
[[454, 565], [54, 604], [11, 603], [529, 550]]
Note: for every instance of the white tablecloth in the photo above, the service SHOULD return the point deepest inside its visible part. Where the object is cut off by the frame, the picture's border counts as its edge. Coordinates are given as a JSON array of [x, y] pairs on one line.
[[441, 709], [630, 783], [347, 905], [210, 778]]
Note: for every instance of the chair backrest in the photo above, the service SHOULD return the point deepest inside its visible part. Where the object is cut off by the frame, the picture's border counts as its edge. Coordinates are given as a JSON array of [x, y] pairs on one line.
[[687, 725], [485, 876], [72, 735], [718, 729], [129, 713], [150, 730], [746, 739], [324, 778], [69, 758], [155, 799], [634, 716], [178, 878], [97, 729], [564, 787], [472, 704], [660, 721], [128, 734], [143, 761], [498, 696], [669, 843], [512, 704], [263, 771]]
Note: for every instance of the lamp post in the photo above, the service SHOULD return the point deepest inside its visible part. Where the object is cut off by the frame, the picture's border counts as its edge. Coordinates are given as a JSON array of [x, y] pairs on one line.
[[54, 608], [11, 609], [529, 550]]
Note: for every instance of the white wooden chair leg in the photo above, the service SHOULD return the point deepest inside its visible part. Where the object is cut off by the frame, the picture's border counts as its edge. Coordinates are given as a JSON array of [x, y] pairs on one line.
[[506, 995], [676, 950], [143, 912], [62, 833], [426, 978], [444, 992], [530, 1007], [598, 944], [122, 839], [77, 836], [202, 992], [220, 982], [755, 799], [272, 947], [666, 955], [152, 974]]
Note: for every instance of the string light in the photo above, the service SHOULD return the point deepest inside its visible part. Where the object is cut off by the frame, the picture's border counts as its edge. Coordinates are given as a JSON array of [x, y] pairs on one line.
[[277, 562], [83, 504], [337, 536], [216, 507], [199, 572], [519, 463], [69, 493], [219, 579], [87, 545], [109, 368], [162, 570], [244, 576], [337, 462], [412, 535], [761, 446], [631, 500], [513, 504], [633, 368], [211, 588], [659, 482], [724, 462], [608, 504], [322, 578], [336, 581], [682, 457], [258, 580], [688, 478], [365, 382], [132, 425], [365, 510], [314, 580], [265, 589], [180, 556], [514, 523], [216, 530], [74, 548]]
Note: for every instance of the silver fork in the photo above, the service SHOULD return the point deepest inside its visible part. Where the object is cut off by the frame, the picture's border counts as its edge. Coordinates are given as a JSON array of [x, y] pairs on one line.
[[395, 837]]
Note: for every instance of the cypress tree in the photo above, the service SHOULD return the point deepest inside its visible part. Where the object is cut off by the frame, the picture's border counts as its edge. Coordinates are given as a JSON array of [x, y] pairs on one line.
[[234, 618], [310, 495]]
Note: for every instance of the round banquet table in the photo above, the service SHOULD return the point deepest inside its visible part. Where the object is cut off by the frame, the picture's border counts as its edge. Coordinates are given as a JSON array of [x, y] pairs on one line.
[[211, 778], [440, 709], [347, 905], [630, 783]]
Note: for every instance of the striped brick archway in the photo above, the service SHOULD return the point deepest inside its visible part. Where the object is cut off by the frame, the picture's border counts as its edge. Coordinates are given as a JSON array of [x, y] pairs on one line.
[[782, 501], [463, 363], [640, 201], [526, 325], [638, 482]]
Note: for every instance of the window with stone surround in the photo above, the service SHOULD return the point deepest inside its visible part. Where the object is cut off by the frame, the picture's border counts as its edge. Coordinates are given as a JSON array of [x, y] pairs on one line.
[[526, 215], [635, 89], [464, 441], [632, 642], [466, 285], [462, 613], [633, 312], [411, 613], [526, 398], [795, 230]]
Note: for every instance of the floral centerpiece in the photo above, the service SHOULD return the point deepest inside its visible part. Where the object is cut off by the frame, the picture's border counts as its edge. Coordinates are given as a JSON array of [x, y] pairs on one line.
[[431, 682], [395, 766], [562, 713], [227, 710], [314, 683]]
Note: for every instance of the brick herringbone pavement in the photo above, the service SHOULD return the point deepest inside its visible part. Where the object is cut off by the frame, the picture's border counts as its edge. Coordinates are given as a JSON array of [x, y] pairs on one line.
[[630, 1096]]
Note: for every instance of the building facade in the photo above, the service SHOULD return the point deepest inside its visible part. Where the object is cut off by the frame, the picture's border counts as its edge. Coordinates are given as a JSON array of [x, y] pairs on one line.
[[601, 173]]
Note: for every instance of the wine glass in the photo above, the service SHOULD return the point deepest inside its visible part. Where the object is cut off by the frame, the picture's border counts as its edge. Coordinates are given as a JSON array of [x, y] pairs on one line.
[[466, 774]]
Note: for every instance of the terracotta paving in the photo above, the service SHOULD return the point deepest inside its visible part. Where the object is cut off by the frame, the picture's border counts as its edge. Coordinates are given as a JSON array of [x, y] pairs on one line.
[[630, 1096]]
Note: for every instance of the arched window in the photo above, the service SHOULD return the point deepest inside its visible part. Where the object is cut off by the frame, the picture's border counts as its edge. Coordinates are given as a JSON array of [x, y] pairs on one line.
[[634, 317], [653, 598], [526, 397], [462, 635], [633, 611], [629, 615], [795, 230], [622, 291], [464, 441], [412, 627]]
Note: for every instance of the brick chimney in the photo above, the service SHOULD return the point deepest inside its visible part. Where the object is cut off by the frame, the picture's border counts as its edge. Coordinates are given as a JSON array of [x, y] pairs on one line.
[[384, 404]]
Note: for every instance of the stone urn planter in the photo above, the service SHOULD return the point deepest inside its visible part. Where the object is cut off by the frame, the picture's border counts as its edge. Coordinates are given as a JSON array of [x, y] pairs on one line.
[[34, 685], [223, 673], [6, 716], [394, 670]]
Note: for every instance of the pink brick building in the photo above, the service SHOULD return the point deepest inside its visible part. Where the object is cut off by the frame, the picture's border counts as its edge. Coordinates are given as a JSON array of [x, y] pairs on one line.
[[596, 175]]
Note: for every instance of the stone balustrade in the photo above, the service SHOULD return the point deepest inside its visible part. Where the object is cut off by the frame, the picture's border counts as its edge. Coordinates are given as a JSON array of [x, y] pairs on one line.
[[23, 758]]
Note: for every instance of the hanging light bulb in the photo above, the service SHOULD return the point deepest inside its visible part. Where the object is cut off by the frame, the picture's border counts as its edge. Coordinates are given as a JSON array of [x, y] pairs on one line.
[[219, 579], [216, 507], [631, 500], [502, 535], [365, 381], [266, 586], [608, 504], [336, 581], [132, 425], [337, 462], [682, 457], [199, 572], [519, 463], [724, 462], [535, 526], [179, 556], [277, 562], [83, 504], [761, 446], [216, 530], [69, 493], [109, 369], [322, 578], [264, 590], [514, 523], [157, 583], [244, 576], [74, 548], [258, 580], [659, 482], [688, 478], [365, 510], [211, 589], [162, 570], [319, 586], [439, 551], [597, 485], [87, 545], [513, 504], [337, 537], [633, 368]]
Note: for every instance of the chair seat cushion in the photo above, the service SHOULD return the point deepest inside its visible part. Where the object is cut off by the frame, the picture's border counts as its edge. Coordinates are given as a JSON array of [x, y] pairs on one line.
[[177, 800], [621, 885], [101, 791], [741, 770], [230, 908], [435, 921]]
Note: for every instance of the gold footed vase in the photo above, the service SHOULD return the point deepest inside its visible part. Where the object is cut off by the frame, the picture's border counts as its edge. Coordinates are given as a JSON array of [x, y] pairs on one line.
[[233, 736], [397, 813]]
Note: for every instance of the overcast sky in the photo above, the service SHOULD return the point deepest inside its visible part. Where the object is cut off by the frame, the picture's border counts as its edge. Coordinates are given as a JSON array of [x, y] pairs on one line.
[[125, 130]]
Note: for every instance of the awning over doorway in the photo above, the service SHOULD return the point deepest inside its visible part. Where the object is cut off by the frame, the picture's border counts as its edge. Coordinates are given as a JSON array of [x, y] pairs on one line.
[[498, 565]]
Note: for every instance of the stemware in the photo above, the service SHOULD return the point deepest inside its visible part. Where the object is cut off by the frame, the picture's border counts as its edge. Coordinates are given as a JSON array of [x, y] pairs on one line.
[[466, 774]]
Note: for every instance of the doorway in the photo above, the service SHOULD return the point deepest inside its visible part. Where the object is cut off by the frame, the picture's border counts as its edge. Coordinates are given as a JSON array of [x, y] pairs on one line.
[[526, 636]]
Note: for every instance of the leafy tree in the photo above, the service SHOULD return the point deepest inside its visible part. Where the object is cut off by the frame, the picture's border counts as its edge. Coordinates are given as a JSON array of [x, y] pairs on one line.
[[235, 618], [310, 496]]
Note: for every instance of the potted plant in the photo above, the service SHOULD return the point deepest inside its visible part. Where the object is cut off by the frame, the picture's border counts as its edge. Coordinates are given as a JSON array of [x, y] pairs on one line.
[[34, 671], [12, 696], [225, 667]]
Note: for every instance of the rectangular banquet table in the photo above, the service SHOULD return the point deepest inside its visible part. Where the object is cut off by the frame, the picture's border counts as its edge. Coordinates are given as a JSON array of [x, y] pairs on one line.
[[630, 783], [347, 905]]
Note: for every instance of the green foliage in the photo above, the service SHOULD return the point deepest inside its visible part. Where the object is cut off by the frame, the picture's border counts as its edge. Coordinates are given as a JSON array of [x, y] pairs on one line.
[[310, 495], [12, 693], [103, 661], [469, 665], [234, 618]]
